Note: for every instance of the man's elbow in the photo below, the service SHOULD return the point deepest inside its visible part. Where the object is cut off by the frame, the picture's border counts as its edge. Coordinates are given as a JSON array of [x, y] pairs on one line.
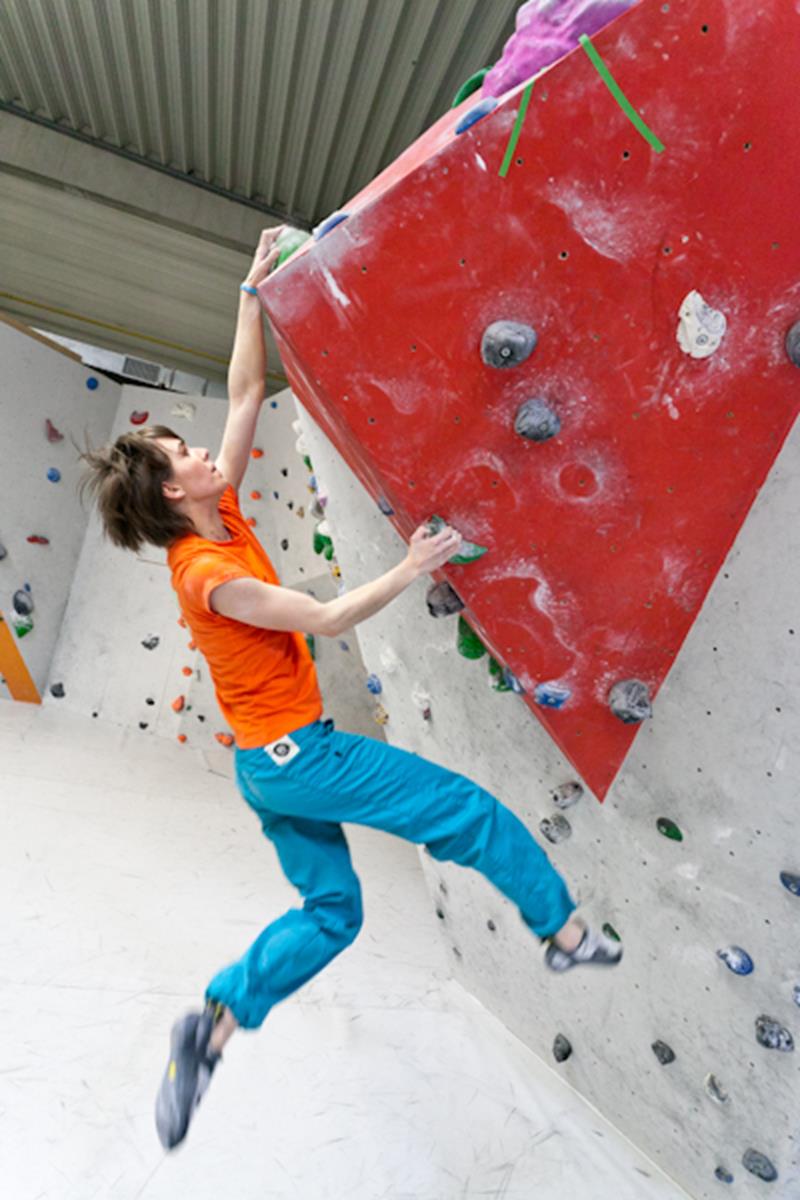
[[328, 623]]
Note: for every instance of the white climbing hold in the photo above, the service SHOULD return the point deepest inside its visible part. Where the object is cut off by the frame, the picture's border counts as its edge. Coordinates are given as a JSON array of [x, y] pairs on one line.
[[184, 409], [301, 446], [389, 660], [701, 328], [421, 699]]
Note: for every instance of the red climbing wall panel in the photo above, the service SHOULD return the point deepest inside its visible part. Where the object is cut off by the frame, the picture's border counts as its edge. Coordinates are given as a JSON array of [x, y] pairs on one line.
[[604, 540]]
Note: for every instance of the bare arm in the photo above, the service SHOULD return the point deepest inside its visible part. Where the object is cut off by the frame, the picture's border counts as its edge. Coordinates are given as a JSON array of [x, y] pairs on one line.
[[268, 606]]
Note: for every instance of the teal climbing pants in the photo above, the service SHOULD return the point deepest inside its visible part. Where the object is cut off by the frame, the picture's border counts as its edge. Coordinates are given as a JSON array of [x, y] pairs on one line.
[[303, 786]]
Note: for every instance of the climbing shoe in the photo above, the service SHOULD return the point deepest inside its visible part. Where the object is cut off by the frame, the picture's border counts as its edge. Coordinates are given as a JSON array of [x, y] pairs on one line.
[[593, 948], [188, 1074]]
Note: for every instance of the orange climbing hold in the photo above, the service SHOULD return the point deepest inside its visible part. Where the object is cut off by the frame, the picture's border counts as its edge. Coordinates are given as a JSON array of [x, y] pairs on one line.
[[182, 737], [251, 521], [187, 671], [178, 704], [255, 495], [224, 739], [182, 623], [256, 453], [192, 645]]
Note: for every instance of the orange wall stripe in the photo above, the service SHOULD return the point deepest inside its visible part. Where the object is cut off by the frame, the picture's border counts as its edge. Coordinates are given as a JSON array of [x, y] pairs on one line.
[[13, 669]]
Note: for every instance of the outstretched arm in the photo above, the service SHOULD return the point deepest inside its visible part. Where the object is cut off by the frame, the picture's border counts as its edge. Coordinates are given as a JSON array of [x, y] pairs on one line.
[[248, 367]]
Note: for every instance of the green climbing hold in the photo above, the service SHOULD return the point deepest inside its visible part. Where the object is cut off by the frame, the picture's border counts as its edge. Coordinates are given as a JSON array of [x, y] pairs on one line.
[[307, 461], [469, 552], [312, 646], [289, 241], [611, 932], [468, 643], [323, 543], [23, 624], [497, 676], [469, 86], [669, 829]]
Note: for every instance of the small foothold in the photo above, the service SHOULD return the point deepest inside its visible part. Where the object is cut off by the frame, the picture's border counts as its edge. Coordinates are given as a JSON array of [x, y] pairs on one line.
[[381, 715], [758, 1164], [54, 475], [3, 552], [669, 829], [224, 739], [715, 1090], [630, 701], [511, 682], [92, 383], [611, 932], [507, 343], [561, 1048], [723, 1175], [182, 738], [567, 794], [57, 690], [178, 704], [53, 434], [374, 685], [385, 506], [256, 453], [701, 328], [468, 643], [139, 418], [23, 603], [772, 1035], [664, 1053], [497, 676], [187, 671], [284, 543], [301, 512], [255, 495], [442, 600], [36, 539], [143, 724], [791, 882], [556, 829], [736, 959], [796, 994], [150, 643], [252, 522], [343, 646], [536, 421], [389, 660], [149, 700], [476, 113], [329, 223], [551, 695], [793, 344]]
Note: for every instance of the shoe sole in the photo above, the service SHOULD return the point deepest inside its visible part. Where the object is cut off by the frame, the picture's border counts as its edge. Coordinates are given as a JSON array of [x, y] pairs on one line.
[[178, 1095]]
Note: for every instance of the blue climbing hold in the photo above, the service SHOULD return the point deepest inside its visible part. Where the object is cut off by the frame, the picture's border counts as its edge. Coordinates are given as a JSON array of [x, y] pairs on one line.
[[54, 475], [329, 223], [791, 882], [511, 681], [374, 685], [796, 994], [92, 383], [273, 403], [736, 959], [723, 1175], [385, 506], [343, 646], [476, 113], [551, 695], [759, 1165]]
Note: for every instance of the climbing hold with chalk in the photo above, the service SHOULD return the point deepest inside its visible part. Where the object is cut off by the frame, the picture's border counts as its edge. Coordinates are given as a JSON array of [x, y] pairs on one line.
[[385, 506], [536, 421], [288, 241], [442, 600], [715, 1090], [759, 1165], [791, 882], [380, 715], [23, 602], [772, 1035], [736, 959], [664, 1053], [54, 475], [567, 794], [497, 676], [507, 343], [669, 829], [556, 829], [467, 552], [329, 223], [793, 344], [374, 685], [22, 625], [511, 682], [57, 690], [476, 113], [551, 695], [723, 1175], [701, 328], [150, 643], [561, 1048], [630, 701], [53, 435], [139, 418]]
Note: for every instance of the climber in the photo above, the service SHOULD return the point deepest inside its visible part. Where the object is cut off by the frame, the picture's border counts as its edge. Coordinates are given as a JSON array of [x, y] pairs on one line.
[[300, 775]]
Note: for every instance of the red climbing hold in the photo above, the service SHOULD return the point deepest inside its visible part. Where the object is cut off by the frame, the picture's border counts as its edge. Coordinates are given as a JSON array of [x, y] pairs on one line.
[[182, 622], [181, 737], [192, 645], [139, 418], [52, 433], [187, 671], [256, 453], [37, 540], [255, 495], [178, 704], [251, 521], [224, 739]]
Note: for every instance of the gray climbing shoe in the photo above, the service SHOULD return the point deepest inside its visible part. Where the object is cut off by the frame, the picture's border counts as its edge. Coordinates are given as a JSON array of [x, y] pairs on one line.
[[593, 948], [187, 1076]]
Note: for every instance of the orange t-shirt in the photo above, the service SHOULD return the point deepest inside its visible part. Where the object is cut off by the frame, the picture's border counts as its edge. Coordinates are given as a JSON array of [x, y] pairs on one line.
[[265, 679]]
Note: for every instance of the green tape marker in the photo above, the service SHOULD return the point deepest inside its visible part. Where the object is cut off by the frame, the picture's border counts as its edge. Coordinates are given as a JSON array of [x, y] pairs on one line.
[[618, 94], [515, 132]]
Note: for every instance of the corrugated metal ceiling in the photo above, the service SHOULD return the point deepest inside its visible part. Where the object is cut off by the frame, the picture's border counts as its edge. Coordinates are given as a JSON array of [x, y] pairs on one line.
[[293, 105]]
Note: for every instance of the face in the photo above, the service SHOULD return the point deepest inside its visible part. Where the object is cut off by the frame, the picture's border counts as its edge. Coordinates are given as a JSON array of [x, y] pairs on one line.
[[194, 475]]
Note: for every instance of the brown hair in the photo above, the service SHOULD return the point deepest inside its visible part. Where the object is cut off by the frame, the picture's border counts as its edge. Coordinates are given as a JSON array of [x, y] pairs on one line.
[[125, 480]]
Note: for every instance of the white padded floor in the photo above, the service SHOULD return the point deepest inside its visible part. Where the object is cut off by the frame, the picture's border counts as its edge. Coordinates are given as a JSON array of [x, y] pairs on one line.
[[127, 876]]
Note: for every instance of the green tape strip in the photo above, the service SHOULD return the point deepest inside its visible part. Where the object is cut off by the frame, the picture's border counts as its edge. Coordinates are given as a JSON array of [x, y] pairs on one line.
[[515, 132], [618, 94]]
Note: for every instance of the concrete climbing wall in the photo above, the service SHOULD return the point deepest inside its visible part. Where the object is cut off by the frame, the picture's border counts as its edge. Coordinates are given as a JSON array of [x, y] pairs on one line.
[[604, 450], [622, 457], [42, 524]]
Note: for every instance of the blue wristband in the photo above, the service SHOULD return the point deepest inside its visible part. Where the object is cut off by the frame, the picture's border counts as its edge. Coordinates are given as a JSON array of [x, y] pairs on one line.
[[245, 287]]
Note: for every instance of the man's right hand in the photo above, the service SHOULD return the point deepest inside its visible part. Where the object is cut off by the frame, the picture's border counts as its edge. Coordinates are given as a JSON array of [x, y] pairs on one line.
[[426, 553]]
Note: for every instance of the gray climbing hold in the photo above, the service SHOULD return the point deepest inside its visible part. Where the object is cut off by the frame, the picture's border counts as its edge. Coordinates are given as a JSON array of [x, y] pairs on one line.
[[57, 690], [736, 959], [23, 603], [442, 600], [796, 994], [567, 794], [3, 552], [793, 343], [758, 1164], [723, 1175], [772, 1035], [536, 421], [507, 343], [385, 506], [630, 701], [791, 882], [715, 1090], [561, 1048], [664, 1053], [150, 643], [556, 829]]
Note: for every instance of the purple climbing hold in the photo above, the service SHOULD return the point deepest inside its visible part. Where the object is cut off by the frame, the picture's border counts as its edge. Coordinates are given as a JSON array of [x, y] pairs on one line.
[[536, 421], [567, 794], [793, 343], [723, 1175], [150, 643], [54, 475], [53, 434], [329, 223], [476, 113], [385, 506], [57, 690], [758, 1164], [92, 383], [772, 1035], [23, 603], [556, 829], [374, 685], [791, 882], [551, 695], [443, 600], [736, 959], [507, 344], [664, 1053], [343, 646], [630, 701], [561, 1048]]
